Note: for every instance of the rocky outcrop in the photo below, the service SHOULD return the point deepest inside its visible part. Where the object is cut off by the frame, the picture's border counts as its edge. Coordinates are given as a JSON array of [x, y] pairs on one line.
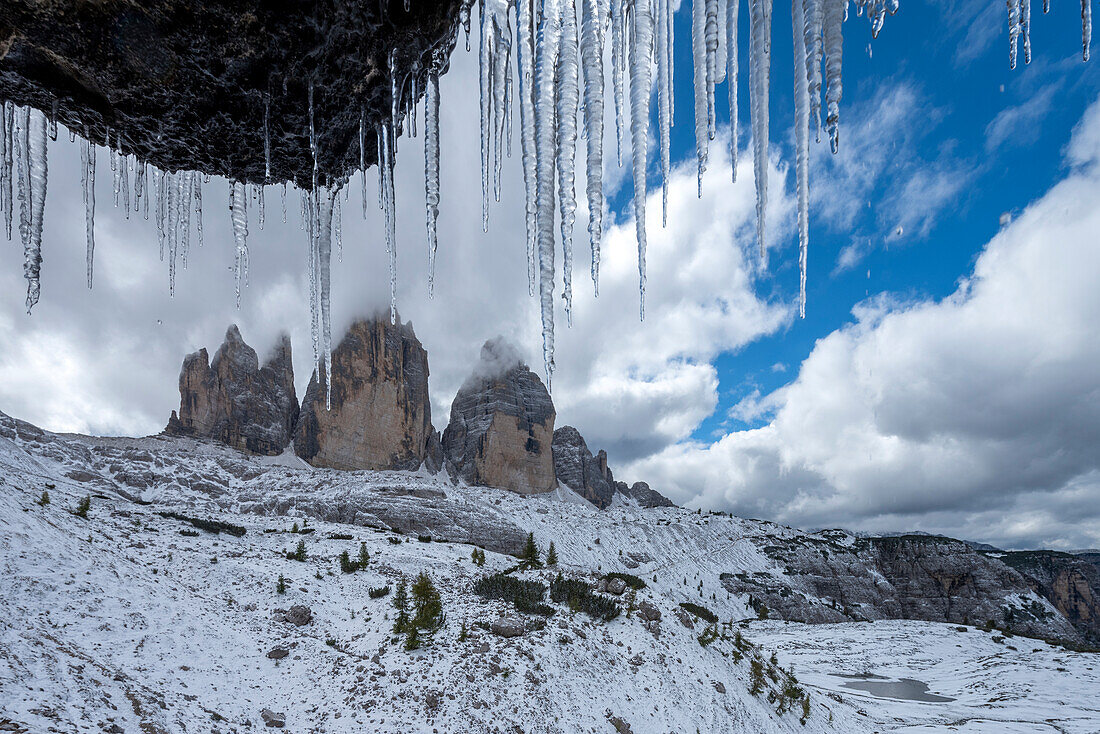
[[380, 415], [234, 400], [835, 579], [502, 425], [578, 469], [641, 493], [1070, 582], [193, 84]]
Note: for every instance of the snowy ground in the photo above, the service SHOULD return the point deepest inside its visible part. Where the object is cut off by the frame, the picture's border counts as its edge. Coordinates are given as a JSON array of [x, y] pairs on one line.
[[119, 622]]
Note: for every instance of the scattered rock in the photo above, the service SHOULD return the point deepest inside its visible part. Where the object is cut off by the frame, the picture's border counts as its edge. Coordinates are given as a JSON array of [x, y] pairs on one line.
[[718, 686], [278, 653], [648, 612], [272, 719], [299, 615], [508, 627], [616, 586]]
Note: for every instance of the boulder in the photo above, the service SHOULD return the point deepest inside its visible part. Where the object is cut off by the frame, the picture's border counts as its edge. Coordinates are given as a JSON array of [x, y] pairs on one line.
[[299, 615], [508, 627], [502, 425], [616, 586], [234, 400], [380, 416], [272, 719], [578, 469]]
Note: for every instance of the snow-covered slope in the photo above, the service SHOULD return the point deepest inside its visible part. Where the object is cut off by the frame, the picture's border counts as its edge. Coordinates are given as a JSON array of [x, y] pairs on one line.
[[128, 620]]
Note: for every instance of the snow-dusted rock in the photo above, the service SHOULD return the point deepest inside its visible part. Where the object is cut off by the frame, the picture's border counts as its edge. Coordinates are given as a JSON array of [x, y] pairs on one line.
[[380, 415], [502, 425], [641, 493], [234, 400], [577, 468], [508, 627]]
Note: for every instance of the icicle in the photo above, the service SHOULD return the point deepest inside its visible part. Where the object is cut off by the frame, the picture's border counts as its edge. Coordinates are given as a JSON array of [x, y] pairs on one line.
[[759, 79], [116, 175], [7, 164], [183, 198], [1025, 28], [313, 139], [338, 226], [412, 100], [832, 28], [139, 184], [196, 182], [387, 163], [1086, 28], [501, 74], [171, 230], [618, 55], [802, 147], [525, 61], [546, 60], [699, 79], [145, 192], [362, 158], [710, 35], [260, 204], [464, 19], [567, 99], [87, 179], [32, 193], [641, 51], [124, 164], [815, 16], [324, 263], [309, 223], [239, 210], [664, 122], [431, 170], [591, 49], [731, 79], [1014, 28], [267, 140], [282, 198], [53, 119]]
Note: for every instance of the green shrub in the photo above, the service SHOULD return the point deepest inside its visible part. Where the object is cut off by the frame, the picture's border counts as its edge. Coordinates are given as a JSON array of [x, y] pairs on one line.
[[525, 596], [379, 592], [478, 556], [424, 538], [756, 677], [579, 597], [299, 553], [337, 536], [631, 580], [700, 611], [209, 526], [710, 634], [346, 564], [44, 499], [189, 533], [805, 711], [393, 540], [83, 506]]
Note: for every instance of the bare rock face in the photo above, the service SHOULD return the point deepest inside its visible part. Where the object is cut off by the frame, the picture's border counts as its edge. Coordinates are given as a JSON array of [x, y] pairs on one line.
[[643, 494], [193, 84], [502, 425], [578, 469], [234, 400], [380, 416]]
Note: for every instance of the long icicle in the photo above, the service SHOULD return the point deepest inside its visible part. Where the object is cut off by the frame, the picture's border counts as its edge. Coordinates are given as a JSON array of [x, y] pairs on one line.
[[390, 206], [833, 30], [87, 161], [325, 196], [568, 89], [699, 85], [731, 81], [802, 146], [525, 60], [591, 47], [239, 211], [759, 80], [618, 53], [641, 54], [664, 107], [431, 171], [546, 61]]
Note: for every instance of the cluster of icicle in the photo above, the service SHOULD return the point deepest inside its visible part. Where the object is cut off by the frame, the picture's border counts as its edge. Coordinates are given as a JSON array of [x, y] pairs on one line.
[[557, 81]]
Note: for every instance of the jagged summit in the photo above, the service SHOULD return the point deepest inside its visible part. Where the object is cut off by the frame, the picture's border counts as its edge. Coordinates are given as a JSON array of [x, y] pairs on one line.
[[380, 415], [234, 400], [502, 425]]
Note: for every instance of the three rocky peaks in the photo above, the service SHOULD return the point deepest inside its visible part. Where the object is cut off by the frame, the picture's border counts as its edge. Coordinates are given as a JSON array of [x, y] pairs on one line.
[[501, 430]]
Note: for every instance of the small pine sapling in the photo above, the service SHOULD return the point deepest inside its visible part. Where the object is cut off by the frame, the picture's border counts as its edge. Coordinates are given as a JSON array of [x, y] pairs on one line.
[[83, 506], [364, 556], [280, 587], [552, 555], [44, 499]]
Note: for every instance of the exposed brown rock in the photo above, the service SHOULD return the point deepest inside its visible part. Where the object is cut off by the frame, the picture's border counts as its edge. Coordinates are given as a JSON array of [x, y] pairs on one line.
[[234, 400], [380, 415], [502, 425]]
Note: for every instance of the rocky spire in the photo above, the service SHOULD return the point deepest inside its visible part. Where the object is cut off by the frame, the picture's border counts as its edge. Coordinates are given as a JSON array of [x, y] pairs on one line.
[[236, 401]]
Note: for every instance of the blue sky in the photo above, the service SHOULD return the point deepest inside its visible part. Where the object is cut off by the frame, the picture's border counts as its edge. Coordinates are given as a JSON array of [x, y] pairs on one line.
[[944, 379], [953, 58]]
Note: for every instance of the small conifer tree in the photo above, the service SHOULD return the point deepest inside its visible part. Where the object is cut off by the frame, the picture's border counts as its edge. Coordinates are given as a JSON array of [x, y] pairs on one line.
[[412, 640], [805, 710], [401, 604], [346, 564], [83, 506], [552, 555], [364, 556], [44, 499], [530, 558], [295, 528], [462, 633], [280, 587], [427, 605], [299, 553], [756, 677]]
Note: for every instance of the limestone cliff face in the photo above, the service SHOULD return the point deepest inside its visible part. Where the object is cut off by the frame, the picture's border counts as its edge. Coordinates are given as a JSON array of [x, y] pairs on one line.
[[380, 415], [578, 469], [236, 401], [501, 430]]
